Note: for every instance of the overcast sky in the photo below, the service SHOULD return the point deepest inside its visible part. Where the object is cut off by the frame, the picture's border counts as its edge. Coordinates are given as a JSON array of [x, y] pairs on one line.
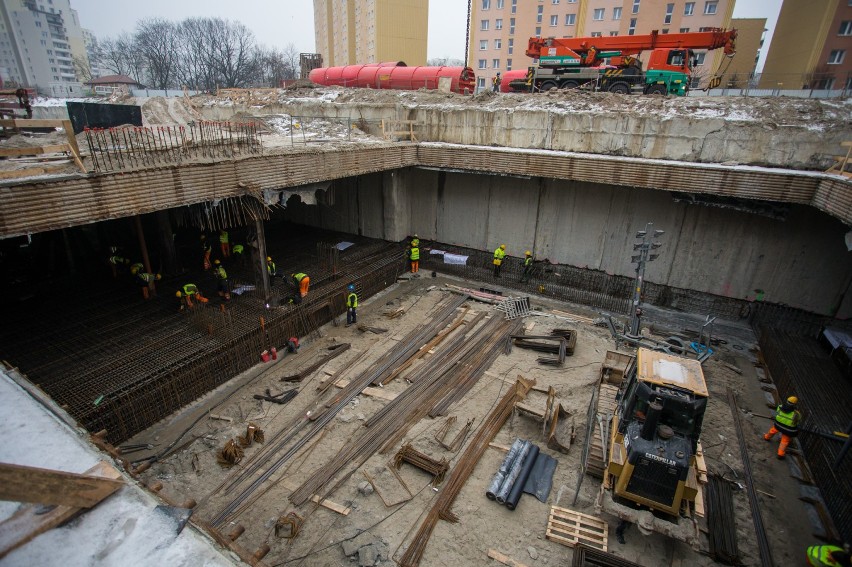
[[277, 23]]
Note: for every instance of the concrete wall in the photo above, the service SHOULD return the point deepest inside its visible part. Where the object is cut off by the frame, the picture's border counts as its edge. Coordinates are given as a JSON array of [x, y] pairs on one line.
[[750, 131], [801, 261]]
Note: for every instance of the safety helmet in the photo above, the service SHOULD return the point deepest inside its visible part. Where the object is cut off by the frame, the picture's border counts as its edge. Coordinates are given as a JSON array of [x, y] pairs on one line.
[[158, 277], [216, 262], [793, 400], [528, 253], [502, 247], [178, 294], [269, 258], [351, 287]]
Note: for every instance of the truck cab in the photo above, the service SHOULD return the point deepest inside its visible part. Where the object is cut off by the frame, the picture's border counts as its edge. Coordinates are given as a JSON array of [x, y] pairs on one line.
[[669, 71]]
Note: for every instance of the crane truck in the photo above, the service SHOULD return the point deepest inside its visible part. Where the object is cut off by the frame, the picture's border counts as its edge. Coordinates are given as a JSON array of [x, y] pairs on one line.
[[612, 64]]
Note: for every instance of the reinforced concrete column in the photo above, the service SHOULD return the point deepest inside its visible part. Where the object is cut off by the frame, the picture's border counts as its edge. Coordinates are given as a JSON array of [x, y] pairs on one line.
[[396, 204], [259, 259]]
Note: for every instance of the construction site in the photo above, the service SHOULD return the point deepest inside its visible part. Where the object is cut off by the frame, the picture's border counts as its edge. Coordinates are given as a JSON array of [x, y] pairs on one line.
[[690, 249]]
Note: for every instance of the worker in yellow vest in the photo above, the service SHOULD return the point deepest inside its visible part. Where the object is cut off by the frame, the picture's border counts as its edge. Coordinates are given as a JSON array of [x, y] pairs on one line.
[[223, 285], [787, 419], [414, 256], [145, 281], [828, 555], [225, 243], [351, 305], [528, 265], [303, 282], [499, 254]]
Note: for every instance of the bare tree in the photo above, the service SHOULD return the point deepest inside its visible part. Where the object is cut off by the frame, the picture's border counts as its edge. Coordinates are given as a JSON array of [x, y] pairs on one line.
[[82, 69], [444, 62], [196, 39], [235, 56], [290, 55], [157, 42]]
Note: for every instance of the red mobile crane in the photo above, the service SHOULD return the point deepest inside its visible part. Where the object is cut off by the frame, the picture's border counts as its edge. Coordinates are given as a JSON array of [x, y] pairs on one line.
[[611, 64]]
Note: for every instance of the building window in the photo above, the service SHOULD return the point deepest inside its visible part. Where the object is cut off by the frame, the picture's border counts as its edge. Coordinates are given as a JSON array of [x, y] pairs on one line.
[[480, 83], [483, 44], [669, 12], [836, 56], [538, 32], [483, 25], [598, 15], [511, 46], [514, 6], [511, 26], [684, 30], [498, 44], [845, 28], [689, 8], [495, 63], [664, 31], [483, 64], [499, 4], [616, 13], [632, 29], [38, 24], [613, 33], [508, 64], [554, 20], [570, 19], [699, 57], [554, 2], [710, 7], [498, 24], [486, 4], [635, 7], [596, 34], [705, 29], [539, 15]]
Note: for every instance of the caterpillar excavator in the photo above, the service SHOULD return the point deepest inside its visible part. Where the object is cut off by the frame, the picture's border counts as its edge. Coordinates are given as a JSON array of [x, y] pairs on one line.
[[611, 63], [643, 440]]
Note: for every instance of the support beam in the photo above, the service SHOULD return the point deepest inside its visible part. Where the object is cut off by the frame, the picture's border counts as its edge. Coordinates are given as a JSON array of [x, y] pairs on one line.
[[19, 483]]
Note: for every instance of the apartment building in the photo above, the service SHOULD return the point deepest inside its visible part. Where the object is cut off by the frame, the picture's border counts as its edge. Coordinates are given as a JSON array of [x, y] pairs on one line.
[[39, 40], [371, 31], [750, 38], [811, 47], [500, 29]]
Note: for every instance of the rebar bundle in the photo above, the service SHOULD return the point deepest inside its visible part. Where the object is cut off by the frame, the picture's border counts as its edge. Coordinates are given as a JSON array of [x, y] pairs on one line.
[[123, 148], [408, 454], [721, 521], [442, 508]]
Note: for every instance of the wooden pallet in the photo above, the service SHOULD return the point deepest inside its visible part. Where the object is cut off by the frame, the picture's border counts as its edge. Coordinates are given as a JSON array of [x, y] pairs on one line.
[[572, 528], [607, 405]]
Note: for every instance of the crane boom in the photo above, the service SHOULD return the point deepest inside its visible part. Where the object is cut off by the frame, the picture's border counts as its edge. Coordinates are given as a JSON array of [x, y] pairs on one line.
[[590, 51]]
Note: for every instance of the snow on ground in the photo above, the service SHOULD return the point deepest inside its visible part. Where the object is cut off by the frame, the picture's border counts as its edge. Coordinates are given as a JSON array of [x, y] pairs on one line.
[[124, 529]]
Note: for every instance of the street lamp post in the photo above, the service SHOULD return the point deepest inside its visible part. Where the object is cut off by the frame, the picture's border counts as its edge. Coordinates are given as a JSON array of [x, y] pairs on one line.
[[644, 248]]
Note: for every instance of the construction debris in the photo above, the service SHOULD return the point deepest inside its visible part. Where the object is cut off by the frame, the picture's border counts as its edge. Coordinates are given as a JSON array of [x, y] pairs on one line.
[[231, 454], [408, 454], [253, 433]]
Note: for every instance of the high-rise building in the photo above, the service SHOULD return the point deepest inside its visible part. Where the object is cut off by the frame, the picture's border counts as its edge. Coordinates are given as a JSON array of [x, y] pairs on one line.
[[750, 33], [810, 46], [39, 40], [500, 29], [371, 31], [93, 53]]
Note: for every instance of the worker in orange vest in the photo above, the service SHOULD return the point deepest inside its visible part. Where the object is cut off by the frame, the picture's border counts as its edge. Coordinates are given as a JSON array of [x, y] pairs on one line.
[[303, 282], [186, 295], [206, 250], [225, 244]]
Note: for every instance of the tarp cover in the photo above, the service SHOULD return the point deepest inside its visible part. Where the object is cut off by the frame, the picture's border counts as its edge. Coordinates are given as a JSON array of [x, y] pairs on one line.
[[540, 480]]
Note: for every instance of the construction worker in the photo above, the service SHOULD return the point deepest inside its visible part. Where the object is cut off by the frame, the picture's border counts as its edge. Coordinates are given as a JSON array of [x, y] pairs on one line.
[[206, 250], [787, 419], [351, 305], [225, 244], [495, 83], [293, 344], [822, 555], [237, 251], [414, 256], [270, 267], [223, 287], [303, 282], [136, 268], [499, 254], [190, 291], [528, 264], [115, 261], [145, 280]]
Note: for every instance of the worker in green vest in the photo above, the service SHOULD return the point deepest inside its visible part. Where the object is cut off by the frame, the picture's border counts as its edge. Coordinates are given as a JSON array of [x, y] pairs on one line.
[[828, 555], [145, 281], [270, 267], [351, 305], [528, 264], [225, 243], [237, 252], [303, 282], [222, 285], [115, 262], [414, 256], [189, 292], [787, 419], [499, 254]]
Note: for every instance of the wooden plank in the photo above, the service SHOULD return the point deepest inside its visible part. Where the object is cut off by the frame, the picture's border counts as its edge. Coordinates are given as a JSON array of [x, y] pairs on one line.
[[34, 150], [25, 123], [72, 141], [29, 172], [291, 485], [505, 560], [44, 486], [699, 503], [28, 522], [369, 391], [499, 447]]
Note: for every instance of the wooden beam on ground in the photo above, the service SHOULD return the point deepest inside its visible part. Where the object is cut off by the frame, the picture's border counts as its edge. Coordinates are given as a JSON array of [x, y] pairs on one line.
[[44, 486], [291, 485], [505, 560], [28, 123], [28, 522], [34, 150], [369, 391], [72, 141]]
